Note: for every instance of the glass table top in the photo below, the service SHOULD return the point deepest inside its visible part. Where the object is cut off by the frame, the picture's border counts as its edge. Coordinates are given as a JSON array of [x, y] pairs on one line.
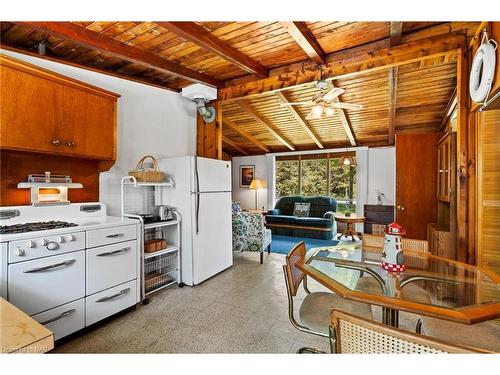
[[428, 279]]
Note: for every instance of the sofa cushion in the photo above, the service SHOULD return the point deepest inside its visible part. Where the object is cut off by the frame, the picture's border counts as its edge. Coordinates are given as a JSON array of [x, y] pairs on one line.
[[280, 219], [313, 222]]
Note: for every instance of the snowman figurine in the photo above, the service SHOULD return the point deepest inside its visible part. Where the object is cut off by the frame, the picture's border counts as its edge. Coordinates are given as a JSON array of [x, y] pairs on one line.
[[392, 257]]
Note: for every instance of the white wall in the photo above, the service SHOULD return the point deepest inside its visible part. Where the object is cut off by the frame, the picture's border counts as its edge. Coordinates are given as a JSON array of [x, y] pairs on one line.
[[245, 196], [382, 174], [150, 121]]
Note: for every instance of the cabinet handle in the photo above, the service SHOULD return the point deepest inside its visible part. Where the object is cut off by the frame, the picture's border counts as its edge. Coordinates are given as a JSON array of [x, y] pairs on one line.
[[56, 142], [114, 235], [119, 294], [70, 144], [49, 267], [56, 318], [113, 252]]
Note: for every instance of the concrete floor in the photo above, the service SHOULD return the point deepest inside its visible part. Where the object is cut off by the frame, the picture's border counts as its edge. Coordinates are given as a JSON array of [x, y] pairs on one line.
[[242, 310]]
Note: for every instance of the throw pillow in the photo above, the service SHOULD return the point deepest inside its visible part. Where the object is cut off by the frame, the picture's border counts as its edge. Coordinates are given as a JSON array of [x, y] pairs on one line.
[[301, 209], [236, 207]]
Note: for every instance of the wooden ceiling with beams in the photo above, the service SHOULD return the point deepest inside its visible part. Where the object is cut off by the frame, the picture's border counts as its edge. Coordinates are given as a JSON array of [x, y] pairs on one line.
[[402, 72]]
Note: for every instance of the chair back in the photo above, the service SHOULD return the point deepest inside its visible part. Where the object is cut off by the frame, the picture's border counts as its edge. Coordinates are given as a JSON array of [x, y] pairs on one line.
[[374, 241], [294, 275], [415, 245], [353, 335]]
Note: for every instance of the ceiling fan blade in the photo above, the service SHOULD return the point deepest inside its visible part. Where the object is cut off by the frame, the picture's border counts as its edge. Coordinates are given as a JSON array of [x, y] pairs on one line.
[[333, 93], [297, 103], [351, 106]]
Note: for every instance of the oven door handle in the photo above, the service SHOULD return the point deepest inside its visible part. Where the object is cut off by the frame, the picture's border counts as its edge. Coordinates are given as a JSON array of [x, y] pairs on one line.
[[114, 252], [119, 294], [56, 318], [115, 235], [51, 266]]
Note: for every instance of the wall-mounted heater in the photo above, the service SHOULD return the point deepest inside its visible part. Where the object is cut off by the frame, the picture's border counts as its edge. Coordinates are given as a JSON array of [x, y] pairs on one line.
[[201, 95]]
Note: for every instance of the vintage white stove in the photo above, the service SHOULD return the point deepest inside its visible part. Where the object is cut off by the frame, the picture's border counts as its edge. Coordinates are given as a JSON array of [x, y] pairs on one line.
[[68, 266]]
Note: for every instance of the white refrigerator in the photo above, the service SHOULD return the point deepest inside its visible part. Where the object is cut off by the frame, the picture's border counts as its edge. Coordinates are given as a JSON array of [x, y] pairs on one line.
[[202, 196]]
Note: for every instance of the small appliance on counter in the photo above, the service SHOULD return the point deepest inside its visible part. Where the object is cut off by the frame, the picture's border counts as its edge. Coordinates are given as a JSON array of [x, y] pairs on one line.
[[47, 189], [165, 213]]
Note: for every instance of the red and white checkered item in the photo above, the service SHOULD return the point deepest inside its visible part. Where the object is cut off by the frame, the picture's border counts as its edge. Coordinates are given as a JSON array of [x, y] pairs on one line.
[[393, 267]]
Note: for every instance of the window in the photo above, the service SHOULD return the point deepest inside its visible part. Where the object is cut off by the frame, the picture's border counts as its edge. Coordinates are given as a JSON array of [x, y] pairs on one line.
[[317, 174]]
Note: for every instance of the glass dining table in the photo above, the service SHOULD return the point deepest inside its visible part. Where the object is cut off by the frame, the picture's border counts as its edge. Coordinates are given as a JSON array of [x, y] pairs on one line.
[[430, 285]]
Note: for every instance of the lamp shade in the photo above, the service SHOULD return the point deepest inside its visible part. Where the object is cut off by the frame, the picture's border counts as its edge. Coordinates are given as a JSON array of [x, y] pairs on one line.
[[256, 184]]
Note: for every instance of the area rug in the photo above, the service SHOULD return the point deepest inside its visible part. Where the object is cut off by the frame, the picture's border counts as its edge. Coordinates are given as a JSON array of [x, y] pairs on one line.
[[283, 244]]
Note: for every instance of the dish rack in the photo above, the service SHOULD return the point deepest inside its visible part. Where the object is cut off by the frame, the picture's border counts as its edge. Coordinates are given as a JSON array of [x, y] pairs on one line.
[[162, 268]]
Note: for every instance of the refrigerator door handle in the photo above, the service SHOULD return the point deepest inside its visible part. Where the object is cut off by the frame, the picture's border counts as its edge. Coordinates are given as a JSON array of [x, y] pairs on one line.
[[197, 204]]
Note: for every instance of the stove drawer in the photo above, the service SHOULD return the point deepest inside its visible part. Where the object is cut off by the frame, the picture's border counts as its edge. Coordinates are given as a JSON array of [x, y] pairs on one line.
[[45, 246], [108, 236], [111, 265], [42, 284], [110, 301], [65, 319]]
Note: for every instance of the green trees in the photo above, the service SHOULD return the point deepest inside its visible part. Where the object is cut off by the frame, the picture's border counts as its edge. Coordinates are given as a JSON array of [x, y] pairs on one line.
[[314, 180]]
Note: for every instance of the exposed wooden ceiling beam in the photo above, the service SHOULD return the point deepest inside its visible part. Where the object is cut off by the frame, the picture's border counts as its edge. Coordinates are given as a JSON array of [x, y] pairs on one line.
[[393, 93], [306, 40], [93, 40], [356, 61], [284, 98], [396, 33], [236, 128], [345, 123], [251, 112], [203, 38], [234, 145]]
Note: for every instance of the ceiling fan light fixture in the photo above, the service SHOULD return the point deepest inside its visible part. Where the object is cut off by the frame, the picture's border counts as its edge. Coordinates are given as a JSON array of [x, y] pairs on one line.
[[316, 113], [329, 112]]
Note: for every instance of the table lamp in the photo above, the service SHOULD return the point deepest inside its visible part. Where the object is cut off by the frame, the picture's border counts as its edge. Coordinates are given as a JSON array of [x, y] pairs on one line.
[[256, 185]]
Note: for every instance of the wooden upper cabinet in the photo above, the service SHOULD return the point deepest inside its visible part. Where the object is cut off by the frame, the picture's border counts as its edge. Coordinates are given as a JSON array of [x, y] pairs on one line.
[[46, 112]]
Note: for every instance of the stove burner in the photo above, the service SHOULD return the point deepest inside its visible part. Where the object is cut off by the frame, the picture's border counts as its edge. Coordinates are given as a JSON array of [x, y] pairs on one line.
[[33, 227]]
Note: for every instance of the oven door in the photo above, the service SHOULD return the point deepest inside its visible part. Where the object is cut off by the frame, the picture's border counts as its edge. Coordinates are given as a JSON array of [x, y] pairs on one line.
[[38, 285]]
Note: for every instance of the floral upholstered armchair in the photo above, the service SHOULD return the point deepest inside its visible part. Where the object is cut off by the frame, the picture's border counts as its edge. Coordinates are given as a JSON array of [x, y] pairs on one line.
[[250, 234]]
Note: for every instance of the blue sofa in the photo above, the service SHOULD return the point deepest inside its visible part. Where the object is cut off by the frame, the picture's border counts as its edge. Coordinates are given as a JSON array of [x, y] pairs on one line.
[[319, 224]]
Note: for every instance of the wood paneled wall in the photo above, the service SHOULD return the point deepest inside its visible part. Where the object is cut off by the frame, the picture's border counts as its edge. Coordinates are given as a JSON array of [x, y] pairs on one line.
[[209, 136], [15, 166], [488, 189]]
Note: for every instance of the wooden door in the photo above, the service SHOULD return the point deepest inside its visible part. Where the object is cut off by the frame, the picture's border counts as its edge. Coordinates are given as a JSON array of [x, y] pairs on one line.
[[28, 120], [416, 182]]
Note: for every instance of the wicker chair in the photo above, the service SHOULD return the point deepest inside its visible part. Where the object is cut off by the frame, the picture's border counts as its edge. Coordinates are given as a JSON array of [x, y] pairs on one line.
[[315, 309], [354, 335], [484, 335]]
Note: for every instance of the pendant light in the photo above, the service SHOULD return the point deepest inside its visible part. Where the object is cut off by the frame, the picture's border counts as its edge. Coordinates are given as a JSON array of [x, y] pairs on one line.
[[348, 160]]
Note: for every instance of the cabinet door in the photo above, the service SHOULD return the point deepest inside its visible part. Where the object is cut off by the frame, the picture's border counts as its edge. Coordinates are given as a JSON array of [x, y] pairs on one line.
[[88, 124], [28, 119], [100, 127]]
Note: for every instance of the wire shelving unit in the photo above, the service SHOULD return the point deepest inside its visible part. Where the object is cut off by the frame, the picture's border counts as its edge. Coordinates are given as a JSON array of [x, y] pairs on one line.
[[162, 268]]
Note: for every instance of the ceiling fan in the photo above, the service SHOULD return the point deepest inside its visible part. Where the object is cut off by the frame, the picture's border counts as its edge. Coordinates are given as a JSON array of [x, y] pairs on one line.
[[323, 104]]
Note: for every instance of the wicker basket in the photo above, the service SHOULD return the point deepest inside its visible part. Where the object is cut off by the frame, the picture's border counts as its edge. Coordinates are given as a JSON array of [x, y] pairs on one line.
[[143, 174]]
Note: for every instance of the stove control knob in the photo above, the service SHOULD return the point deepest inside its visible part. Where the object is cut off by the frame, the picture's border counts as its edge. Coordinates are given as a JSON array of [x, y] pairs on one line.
[[60, 239], [30, 244], [52, 245], [44, 242], [71, 237], [19, 252]]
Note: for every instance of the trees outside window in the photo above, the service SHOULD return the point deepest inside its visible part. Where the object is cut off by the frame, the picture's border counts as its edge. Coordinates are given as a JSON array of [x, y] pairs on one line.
[[285, 183], [317, 175]]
